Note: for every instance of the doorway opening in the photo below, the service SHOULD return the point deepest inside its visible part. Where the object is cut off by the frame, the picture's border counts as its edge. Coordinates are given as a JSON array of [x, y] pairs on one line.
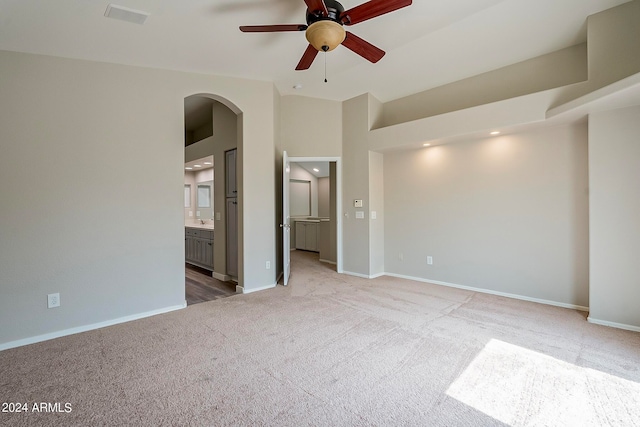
[[314, 204], [211, 228]]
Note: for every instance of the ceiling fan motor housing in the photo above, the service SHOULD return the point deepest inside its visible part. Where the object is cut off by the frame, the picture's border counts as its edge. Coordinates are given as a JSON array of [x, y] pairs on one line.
[[325, 33]]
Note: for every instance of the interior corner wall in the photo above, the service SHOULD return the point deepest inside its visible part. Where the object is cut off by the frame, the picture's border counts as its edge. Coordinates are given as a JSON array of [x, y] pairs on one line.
[[333, 213], [612, 40], [190, 180], [355, 185], [614, 207], [507, 214], [112, 242], [613, 50], [324, 197], [376, 208]]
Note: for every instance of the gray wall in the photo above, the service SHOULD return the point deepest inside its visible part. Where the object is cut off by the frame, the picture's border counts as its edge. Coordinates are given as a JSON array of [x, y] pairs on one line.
[[614, 179], [323, 197], [507, 214], [112, 242]]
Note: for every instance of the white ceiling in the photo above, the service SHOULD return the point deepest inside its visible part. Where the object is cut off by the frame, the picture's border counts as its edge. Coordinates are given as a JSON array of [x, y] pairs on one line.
[[322, 167], [201, 162], [428, 44]]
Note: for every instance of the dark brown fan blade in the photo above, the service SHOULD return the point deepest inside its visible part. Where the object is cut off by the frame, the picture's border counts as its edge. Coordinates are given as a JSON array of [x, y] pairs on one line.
[[272, 28], [371, 9], [363, 48], [307, 58], [316, 6]]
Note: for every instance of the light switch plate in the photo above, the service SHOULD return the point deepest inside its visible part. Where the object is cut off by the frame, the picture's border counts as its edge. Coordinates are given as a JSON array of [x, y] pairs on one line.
[[217, 216], [357, 203], [359, 214], [374, 215], [190, 213], [198, 214]]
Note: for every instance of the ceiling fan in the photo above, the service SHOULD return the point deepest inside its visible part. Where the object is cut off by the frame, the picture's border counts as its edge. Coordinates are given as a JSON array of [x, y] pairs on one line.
[[324, 28]]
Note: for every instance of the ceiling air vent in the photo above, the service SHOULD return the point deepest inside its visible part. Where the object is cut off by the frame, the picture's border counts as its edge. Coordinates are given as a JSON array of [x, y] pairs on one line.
[[125, 14]]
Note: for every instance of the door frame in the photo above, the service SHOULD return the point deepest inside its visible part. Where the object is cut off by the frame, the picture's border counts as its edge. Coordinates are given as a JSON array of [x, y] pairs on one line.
[[338, 161]]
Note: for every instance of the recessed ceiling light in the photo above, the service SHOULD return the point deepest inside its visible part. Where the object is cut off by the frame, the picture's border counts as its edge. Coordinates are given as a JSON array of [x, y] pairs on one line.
[[426, 145], [316, 170], [188, 169], [297, 86], [197, 166], [208, 163], [495, 132]]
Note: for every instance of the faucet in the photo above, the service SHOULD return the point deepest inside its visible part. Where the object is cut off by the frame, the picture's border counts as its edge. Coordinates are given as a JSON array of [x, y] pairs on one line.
[[202, 221]]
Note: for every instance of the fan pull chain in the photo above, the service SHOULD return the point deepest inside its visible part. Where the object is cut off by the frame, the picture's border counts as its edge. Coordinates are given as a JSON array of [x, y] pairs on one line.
[[325, 66]]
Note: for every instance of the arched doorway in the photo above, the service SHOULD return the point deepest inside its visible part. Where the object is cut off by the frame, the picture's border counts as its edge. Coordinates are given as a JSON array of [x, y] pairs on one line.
[[212, 197]]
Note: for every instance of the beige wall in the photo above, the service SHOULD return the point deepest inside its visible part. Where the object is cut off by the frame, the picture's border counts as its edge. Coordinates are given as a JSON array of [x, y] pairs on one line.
[[614, 183], [112, 243], [507, 214], [311, 127], [561, 68]]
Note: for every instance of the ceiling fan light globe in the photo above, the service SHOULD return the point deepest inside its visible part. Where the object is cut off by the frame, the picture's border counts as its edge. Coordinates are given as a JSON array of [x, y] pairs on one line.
[[325, 35]]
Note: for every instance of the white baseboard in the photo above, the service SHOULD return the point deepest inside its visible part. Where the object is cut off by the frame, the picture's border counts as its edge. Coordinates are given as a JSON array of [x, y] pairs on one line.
[[327, 261], [351, 273], [490, 292], [222, 277], [242, 290], [85, 328], [364, 276], [613, 324]]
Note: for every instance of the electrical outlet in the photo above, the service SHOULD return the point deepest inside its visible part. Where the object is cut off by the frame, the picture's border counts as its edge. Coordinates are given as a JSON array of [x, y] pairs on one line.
[[190, 213], [374, 215], [430, 260], [198, 214], [401, 256], [217, 216], [268, 265], [53, 300]]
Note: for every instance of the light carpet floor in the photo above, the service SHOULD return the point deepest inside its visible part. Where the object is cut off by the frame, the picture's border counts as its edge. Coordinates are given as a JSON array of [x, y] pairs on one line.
[[335, 350]]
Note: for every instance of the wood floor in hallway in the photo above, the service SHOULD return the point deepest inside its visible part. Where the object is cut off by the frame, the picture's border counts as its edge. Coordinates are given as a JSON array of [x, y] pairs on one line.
[[201, 287]]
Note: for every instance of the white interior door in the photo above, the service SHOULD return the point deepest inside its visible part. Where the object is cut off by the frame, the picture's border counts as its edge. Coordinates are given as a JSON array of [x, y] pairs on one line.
[[286, 223]]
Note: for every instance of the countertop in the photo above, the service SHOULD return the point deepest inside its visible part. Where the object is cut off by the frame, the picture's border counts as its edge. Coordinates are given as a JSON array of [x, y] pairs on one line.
[[309, 219], [207, 226]]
